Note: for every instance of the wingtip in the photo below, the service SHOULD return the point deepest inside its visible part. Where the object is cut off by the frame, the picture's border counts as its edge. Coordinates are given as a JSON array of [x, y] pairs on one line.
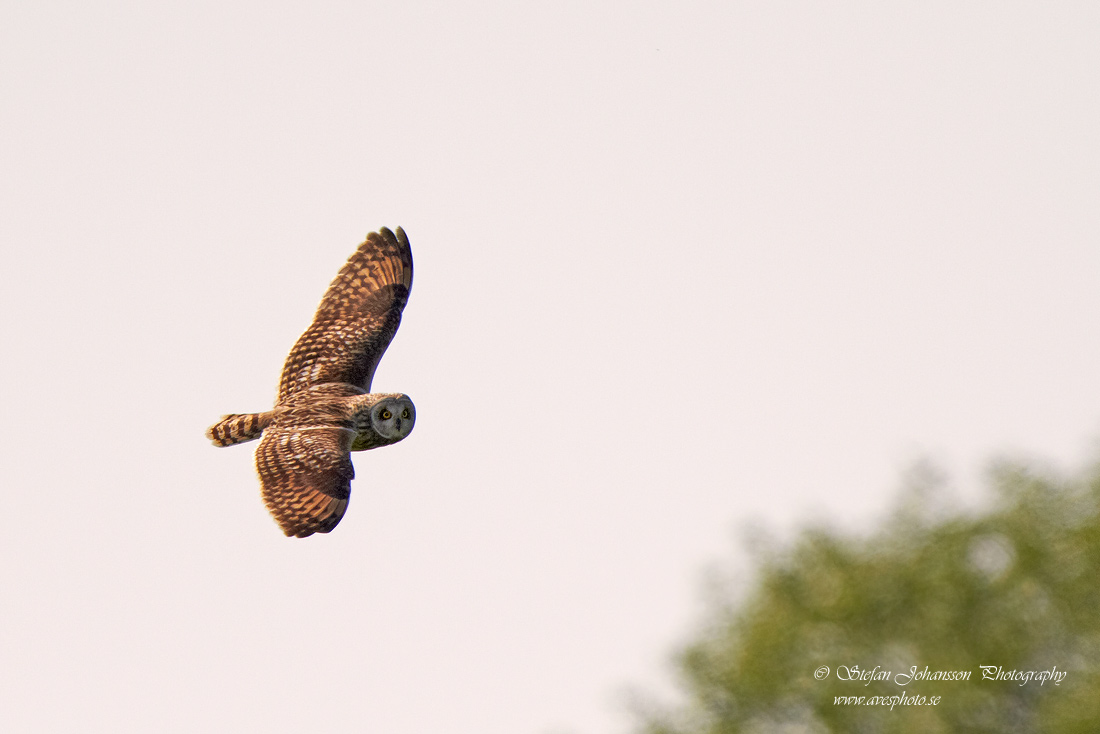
[[393, 235], [406, 248], [402, 241]]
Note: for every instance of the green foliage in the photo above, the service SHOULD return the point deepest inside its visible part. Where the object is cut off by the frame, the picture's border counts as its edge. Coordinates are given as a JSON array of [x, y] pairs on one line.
[[1017, 587]]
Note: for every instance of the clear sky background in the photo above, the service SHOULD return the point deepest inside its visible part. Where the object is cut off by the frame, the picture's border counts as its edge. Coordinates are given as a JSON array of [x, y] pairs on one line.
[[679, 267]]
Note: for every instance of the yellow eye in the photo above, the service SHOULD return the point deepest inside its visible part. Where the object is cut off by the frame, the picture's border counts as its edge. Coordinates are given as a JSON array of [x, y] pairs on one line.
[[405, 413], [386, 415]]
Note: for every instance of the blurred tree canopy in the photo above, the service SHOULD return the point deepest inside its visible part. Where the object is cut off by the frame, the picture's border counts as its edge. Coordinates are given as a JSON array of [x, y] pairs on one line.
[[1016, 588]]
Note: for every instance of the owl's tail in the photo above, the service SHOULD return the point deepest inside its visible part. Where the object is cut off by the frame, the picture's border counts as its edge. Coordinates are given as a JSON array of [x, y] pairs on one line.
[[238, 428]]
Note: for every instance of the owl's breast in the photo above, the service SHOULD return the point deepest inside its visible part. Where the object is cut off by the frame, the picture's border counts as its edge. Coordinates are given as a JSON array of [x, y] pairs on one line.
[[362, 441], [365, 435]]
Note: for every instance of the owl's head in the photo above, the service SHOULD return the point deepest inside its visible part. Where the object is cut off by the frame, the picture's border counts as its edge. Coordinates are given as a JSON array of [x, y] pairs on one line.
[[393, 417], [388, 419]]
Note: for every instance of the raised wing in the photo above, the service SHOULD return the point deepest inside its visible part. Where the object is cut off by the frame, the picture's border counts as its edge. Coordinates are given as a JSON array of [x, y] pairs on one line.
[[306, 475], [357, 317]]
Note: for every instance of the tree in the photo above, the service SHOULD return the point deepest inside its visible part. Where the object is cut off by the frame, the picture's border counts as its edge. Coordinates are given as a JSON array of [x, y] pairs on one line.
[[1016, 589]]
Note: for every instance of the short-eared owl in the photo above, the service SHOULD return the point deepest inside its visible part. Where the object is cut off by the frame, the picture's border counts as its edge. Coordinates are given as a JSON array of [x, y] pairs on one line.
[[325, 408]]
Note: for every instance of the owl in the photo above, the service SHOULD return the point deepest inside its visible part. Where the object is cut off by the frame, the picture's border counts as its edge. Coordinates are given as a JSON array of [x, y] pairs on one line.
[[325, 408]]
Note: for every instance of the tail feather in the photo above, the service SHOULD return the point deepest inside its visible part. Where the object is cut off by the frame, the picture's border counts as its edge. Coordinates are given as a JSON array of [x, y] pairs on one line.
[[238, 428]]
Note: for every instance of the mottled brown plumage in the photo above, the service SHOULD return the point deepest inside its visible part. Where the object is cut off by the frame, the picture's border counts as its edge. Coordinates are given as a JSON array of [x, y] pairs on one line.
[[356, 320], [325, 408]]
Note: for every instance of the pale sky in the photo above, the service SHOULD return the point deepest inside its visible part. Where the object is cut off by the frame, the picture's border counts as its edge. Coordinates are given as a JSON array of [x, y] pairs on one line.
[[680, 267]]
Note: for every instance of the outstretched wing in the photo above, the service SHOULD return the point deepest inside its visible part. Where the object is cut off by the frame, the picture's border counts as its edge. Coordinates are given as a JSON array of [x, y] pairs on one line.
[[306, 475], [357, 317]]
